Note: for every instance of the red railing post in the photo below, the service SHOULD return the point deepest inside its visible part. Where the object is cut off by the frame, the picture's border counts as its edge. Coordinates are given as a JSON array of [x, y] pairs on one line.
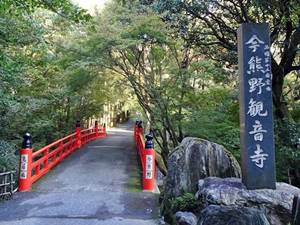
[[60, 151], [78, 134], [96, 129], [25, 164], [104, 129], [139, 132], [135, 131], [138, 127], [149, 162], [46, 162]]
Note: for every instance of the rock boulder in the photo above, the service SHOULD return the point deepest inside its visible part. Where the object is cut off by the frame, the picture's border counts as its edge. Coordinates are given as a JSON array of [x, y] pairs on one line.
[[220, 215], [196, 159], [186, 218], [276, 204]]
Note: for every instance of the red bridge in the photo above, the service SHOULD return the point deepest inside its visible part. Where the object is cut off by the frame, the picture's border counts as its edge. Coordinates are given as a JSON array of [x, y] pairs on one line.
[[87, 177], [35, 164]]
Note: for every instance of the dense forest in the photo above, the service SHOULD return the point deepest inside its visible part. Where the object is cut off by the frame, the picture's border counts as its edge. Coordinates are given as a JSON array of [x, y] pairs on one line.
[[173, 63]]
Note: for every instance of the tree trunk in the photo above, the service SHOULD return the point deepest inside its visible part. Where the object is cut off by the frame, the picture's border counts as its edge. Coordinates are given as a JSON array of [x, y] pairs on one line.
[[281, 109]]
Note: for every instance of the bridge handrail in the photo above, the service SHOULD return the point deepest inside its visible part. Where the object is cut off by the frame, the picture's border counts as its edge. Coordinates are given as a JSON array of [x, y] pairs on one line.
[[35, 164], [141, 148], [49, 156], [52, 144]]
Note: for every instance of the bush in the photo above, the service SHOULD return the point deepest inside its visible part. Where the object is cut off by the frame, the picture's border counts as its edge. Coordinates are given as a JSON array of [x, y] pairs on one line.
[[287, 135], [215, 117], [8, 159], [185, 202]]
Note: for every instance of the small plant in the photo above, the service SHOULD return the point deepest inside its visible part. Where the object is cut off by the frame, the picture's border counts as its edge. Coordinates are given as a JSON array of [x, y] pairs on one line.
[[8, 158], [185, 202]]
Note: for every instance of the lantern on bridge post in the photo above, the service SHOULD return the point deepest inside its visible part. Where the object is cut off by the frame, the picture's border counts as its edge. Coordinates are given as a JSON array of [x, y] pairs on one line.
[[25, 164], [78, 134], [149, 162]]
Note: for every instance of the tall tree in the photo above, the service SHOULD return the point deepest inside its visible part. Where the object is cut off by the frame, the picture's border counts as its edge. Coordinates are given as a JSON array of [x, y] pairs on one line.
[[163, 71], [212, 25]]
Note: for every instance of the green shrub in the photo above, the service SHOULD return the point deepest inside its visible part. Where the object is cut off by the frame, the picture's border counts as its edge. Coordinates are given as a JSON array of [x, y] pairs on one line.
[[215, 117], [185, 202], [8, 158], [287, 136]]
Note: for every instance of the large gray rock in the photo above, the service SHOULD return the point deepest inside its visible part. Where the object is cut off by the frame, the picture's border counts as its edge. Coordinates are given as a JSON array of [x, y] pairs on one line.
[[277, 204], [186, 218], [296, 211], [220, 215], [196, 159]]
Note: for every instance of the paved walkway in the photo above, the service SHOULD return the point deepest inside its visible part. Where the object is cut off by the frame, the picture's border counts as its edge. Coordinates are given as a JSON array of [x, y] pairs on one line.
[[96, 185]]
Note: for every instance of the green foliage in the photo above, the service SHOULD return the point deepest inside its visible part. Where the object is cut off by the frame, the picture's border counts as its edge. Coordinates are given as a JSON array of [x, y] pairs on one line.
[[287, 148], [215, 117], [8, 158], [216, 127], [185, 202], [58, 65], [64, 8], [175, 86], [288, 132], [296, 114], [46, 83]]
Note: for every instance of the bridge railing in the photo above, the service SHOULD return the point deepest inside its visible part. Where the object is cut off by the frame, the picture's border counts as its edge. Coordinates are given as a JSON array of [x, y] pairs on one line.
[[35, 164], [147, 156], [7, 184]]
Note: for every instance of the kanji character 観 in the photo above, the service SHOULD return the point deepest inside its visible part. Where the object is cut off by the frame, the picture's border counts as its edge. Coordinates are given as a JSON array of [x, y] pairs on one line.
[[256, 108]]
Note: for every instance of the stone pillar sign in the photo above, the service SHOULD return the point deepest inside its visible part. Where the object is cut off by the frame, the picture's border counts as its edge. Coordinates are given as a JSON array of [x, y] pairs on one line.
[[256, 116]]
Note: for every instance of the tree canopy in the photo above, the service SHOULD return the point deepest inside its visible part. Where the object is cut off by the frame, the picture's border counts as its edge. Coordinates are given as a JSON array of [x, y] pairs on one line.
[[172, 63], [212, 26]]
